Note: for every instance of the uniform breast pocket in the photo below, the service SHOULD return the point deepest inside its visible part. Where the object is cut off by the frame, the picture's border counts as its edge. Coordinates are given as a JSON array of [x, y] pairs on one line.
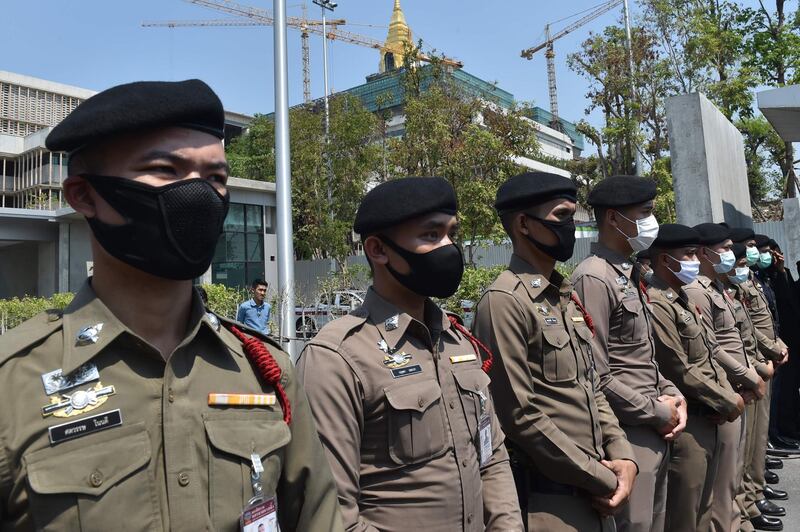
[[86, 484], [416, 422], [232, 439], [558, 359], [692, 341], [473, 387], [722, 314], [629, 328]]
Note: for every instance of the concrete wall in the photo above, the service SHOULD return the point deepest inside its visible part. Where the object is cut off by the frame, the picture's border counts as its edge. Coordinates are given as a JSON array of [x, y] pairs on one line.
[[708, 165], [19, 270]]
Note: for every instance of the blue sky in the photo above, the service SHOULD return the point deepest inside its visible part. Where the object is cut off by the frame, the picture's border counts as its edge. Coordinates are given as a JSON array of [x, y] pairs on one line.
[[96, 44]]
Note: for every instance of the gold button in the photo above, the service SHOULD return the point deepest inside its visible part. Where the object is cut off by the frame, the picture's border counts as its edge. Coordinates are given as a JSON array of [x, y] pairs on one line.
[[170, 396], [421, 402], [96, 479], [183, 479]]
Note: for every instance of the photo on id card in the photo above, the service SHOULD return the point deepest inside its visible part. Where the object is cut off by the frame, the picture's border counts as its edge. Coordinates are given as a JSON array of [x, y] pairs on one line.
[[260, 517]]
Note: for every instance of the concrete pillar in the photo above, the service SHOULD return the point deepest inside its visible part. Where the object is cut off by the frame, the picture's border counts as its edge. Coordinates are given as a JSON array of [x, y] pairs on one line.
[[47, 269], [791, 221], [63, 256], [708, 165]]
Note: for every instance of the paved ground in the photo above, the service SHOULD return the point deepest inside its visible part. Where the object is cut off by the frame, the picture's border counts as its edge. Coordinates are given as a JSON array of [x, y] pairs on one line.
[[790, 481]]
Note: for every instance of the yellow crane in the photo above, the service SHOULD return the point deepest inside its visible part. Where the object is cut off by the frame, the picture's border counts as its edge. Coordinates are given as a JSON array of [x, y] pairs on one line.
[[550, 54]]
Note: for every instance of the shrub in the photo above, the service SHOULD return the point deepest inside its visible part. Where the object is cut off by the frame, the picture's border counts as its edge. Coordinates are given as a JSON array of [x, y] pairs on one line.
[[16, 310]]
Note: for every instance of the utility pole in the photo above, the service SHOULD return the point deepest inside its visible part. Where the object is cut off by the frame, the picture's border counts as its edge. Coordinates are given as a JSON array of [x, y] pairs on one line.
[[327, 5], [283, 179], [629, 45]]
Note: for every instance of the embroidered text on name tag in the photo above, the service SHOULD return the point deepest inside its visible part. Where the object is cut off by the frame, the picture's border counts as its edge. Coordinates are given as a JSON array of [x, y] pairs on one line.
[[82, 427]]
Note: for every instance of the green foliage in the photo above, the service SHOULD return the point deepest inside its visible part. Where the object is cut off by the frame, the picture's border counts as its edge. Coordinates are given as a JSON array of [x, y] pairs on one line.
[[225, 301], [322, 227], [474, 282], [16, 310], [665, 199]]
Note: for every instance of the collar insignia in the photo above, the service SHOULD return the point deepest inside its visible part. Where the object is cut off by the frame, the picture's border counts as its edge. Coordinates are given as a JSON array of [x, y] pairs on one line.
[[89, 335], [626, 265], [213, 320], [536, 283], [392, 323]]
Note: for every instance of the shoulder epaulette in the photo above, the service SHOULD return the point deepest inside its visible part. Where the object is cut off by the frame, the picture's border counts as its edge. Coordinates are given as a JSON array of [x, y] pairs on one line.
[[30, 333], [252, 332], [334, 332]]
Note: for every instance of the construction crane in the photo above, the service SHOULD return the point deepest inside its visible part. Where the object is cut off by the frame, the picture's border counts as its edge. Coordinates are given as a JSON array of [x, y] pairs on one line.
[[336, 34], [550, 54], [239, 22]]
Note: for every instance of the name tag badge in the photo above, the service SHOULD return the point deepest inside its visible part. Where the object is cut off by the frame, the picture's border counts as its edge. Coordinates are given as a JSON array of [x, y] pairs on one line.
[[406, 371], [82, 427], [260, 516], [455, 359], [485, 435], [551, 321]]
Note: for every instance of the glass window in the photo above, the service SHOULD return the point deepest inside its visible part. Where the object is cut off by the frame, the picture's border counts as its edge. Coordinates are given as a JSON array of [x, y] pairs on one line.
[[254, 218], [255, 246], [229, 274], [235, 219]]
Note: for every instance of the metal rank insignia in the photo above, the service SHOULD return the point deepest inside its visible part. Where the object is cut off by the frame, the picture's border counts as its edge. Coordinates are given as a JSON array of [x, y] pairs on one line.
[[392, 323], [544, 311], [78, 402], [626, 265], [670, 296], [536, 283], [396, 360], [213, 321], [89, 335], [622, 280], [55, 381]]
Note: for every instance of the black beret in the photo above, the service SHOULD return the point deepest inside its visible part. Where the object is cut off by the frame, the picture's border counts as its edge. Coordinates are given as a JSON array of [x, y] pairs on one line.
[[621, 191], [761, 240], [712, 233], [773, 243], [400, 200], [671, 236], [739, 250], [742, 234], [137, 106], [532, 188], [645, 254]]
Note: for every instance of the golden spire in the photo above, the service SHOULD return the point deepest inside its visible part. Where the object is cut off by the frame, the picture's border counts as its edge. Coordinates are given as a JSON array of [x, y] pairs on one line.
[[399, 34]]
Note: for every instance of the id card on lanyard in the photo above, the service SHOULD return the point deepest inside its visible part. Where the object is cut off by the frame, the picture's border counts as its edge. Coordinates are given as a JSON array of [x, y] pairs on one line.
[[260, 514]]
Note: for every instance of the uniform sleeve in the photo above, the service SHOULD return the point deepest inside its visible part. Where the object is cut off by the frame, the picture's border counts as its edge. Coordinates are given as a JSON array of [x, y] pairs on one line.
[[738, 374], [500, 324], [631, 407], [336, 398], [6, 482], [770, 348], [686, 375], [500, 503], [240, 314], [615, 442], [306, 493]]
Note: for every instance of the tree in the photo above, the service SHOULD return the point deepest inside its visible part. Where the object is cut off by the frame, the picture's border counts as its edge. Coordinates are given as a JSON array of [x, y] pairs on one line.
[[322, 229], [469, 141]]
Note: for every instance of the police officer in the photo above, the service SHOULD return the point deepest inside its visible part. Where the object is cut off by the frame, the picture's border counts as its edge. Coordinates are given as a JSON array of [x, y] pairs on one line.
[[577, 467], [749, 515], [650, 408], [134, 406], [707, 292], [399, 389], [751, 294], [686, 356]]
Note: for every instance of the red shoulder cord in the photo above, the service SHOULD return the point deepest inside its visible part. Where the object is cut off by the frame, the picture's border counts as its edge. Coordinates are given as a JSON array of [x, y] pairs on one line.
[[486, 365], [267, 367], [643, 288], [586, 317]]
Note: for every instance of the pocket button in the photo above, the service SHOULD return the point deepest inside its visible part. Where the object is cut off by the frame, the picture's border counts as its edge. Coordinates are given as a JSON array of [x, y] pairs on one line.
[[183, 479], [96, 479]]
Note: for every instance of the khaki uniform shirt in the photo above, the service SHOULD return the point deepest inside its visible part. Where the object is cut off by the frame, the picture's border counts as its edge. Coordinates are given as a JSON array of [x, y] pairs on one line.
[[752, 295], [745, 325], [684, 352], [398, 405], [626, 364], [725, 339], [166, 459], [544, 382]]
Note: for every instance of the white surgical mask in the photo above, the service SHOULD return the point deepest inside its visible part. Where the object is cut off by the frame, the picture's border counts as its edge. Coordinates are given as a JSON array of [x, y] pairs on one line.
[[740, 275], [726, 261], [646, 232], [689, 271]]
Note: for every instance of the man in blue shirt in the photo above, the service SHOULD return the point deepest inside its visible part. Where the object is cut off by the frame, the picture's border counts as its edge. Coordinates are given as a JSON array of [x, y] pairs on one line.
[[255, 311]]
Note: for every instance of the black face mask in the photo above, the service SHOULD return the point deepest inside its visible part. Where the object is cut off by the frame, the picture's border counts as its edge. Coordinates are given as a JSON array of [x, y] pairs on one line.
[[564, 231], [169, 231], [436, 273]]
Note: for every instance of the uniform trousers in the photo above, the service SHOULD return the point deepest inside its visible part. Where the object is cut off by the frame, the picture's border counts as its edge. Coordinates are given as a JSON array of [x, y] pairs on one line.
[[747, 459], [690, 482], [756, 482], [646, 507], [550, 512], [724, 512]]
